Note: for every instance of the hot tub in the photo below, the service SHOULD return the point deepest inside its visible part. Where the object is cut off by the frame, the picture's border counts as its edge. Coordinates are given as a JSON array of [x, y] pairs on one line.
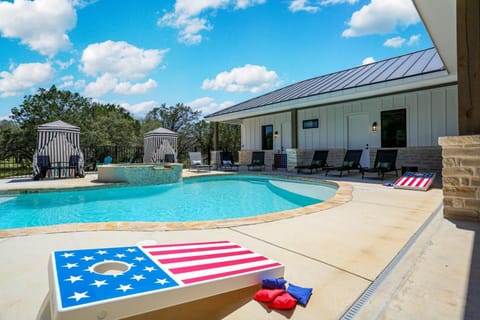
[[141, 174]]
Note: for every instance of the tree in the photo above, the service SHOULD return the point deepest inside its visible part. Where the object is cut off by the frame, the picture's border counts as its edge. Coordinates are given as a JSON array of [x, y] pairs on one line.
[[100, 124]]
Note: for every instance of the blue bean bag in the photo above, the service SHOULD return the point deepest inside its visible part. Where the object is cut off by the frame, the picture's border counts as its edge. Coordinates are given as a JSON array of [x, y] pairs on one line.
[[273, 283], [301, 294]]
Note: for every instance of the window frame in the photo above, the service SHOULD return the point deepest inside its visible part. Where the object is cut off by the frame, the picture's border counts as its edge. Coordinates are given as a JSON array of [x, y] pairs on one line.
[[388, 124], [310, 124], [267, 137]]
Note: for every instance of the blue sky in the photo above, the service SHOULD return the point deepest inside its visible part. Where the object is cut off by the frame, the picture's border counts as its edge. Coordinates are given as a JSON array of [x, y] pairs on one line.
[[208, 54]]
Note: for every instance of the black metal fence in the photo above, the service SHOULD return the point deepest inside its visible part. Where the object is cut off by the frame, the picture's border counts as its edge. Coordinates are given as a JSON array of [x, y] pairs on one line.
[[19, 164]]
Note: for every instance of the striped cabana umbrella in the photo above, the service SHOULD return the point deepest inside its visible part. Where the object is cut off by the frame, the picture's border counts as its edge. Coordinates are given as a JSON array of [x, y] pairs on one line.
[[58, 143], [157, 143]]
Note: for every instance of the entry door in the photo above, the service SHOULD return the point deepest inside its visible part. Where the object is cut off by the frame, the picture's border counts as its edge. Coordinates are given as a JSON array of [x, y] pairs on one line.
[[358, 136]]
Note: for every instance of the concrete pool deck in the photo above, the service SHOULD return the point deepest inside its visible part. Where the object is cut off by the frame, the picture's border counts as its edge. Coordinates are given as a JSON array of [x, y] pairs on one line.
[[339, 252]]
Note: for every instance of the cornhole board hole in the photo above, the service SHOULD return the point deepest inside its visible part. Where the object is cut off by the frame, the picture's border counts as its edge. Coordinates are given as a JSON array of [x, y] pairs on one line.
[[415, 181], [113, 283]]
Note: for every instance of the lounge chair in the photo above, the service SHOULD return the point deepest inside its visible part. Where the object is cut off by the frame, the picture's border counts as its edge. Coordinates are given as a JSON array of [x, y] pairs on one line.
[[106, 160], [43, 164], [258, 161], [385, 161], [74, 164], [319, 161], [351, 161], [169, 158], [121, 282], [196, 162], [227, 162]]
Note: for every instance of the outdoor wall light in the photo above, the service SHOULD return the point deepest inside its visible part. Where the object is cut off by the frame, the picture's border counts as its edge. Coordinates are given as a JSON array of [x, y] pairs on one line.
[[275, 134], [374, 126]]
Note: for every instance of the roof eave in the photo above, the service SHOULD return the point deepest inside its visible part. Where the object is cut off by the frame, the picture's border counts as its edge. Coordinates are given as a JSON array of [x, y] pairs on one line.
[[383, 88]]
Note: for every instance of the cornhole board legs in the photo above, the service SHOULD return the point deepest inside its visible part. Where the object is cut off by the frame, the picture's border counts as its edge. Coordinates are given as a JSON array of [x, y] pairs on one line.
[[415, 181], [112, 283]]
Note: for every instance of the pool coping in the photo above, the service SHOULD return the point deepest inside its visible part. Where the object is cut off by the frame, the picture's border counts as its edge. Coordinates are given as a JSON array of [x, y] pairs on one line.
[[343, 195]]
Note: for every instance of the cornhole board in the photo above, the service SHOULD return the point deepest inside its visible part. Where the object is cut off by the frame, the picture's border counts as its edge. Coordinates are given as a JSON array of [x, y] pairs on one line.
[[415, 181], [113, 283]]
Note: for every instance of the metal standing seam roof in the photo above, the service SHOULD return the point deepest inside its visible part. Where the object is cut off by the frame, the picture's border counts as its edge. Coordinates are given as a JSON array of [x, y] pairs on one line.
[[408, 65]]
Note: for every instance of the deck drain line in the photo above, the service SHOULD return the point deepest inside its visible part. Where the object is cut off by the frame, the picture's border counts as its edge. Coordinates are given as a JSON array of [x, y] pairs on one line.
[[360, 302]]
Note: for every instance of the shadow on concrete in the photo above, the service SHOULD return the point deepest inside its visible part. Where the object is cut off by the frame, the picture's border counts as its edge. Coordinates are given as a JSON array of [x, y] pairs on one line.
[[472, 307]]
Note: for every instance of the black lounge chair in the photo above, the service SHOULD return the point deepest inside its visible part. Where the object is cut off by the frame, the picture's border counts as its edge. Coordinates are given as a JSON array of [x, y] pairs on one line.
[[385, 160], [44, 164], [74, 164], [227, 162], [351, 161], [170, 158], [319, 161], [258, 161]]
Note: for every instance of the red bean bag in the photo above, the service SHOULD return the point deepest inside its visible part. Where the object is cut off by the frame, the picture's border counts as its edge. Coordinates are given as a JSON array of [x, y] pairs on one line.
[[267, 295], [283, 302]]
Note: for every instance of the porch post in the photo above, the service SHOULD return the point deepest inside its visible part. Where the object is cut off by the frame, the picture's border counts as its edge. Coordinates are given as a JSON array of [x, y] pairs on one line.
[[468, 61]]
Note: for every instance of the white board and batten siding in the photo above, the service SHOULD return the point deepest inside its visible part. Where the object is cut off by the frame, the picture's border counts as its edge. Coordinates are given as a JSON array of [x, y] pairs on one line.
[[252, 131], [431, 113]]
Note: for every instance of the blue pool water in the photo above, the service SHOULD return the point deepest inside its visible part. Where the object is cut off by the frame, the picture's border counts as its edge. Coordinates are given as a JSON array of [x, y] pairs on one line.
[[198, 199]]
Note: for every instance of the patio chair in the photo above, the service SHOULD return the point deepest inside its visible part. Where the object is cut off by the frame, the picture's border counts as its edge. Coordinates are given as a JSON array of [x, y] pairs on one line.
[[44, 164], [197, 162], [74, 164], [258, 161], [385, 160], [106, 160], [169, 158], [351, 161], [319, 161], [227, 162]]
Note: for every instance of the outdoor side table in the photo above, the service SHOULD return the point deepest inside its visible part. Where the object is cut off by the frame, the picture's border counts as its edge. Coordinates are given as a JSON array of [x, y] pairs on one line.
[[113, 283]]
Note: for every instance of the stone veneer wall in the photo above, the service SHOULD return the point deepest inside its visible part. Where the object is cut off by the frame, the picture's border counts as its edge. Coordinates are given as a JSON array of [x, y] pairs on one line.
[[461, 176]]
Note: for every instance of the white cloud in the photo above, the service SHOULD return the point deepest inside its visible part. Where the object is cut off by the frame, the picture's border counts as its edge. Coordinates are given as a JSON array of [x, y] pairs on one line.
[[186, 16], [107, 83], [251, 78], [381, 17], [82, 3], [307, 5], [127, 88], [140, 108], [65, 64], [368, 60], [67, 82], [328, 2], [395, 42], [413, 40], [302, 5], [24, 76], [41, 24], [207, 105], [398, 42], [80, 84], [101, 86], [120, 59]]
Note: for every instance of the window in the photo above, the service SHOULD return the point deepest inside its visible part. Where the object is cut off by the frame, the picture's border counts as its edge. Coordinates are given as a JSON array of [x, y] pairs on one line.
[[394, 128], [267, 137], [310, 124]]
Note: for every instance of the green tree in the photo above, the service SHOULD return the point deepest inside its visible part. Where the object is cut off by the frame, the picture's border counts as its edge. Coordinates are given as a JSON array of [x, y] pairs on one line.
[[100, 124]]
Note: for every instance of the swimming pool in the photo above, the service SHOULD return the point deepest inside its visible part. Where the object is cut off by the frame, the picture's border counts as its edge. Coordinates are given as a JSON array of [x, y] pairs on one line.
[[196, 199]]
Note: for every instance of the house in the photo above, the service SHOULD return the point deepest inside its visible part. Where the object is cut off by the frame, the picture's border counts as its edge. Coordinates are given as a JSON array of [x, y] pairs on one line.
[[406, 102]]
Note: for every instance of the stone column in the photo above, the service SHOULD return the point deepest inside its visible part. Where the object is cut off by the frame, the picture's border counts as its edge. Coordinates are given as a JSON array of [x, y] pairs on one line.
[[461, 176]]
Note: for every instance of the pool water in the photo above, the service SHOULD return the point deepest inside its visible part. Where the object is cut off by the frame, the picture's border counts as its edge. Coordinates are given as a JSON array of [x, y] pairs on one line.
[[196, 199]]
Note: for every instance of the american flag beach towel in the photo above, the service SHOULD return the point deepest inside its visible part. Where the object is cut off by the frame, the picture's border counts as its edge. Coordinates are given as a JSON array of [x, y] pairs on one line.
[[415, 181], [82, 279]]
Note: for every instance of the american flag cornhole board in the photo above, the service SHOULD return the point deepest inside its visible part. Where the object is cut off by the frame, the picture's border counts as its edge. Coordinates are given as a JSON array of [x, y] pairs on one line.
[[112, 283], [415, 181]]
